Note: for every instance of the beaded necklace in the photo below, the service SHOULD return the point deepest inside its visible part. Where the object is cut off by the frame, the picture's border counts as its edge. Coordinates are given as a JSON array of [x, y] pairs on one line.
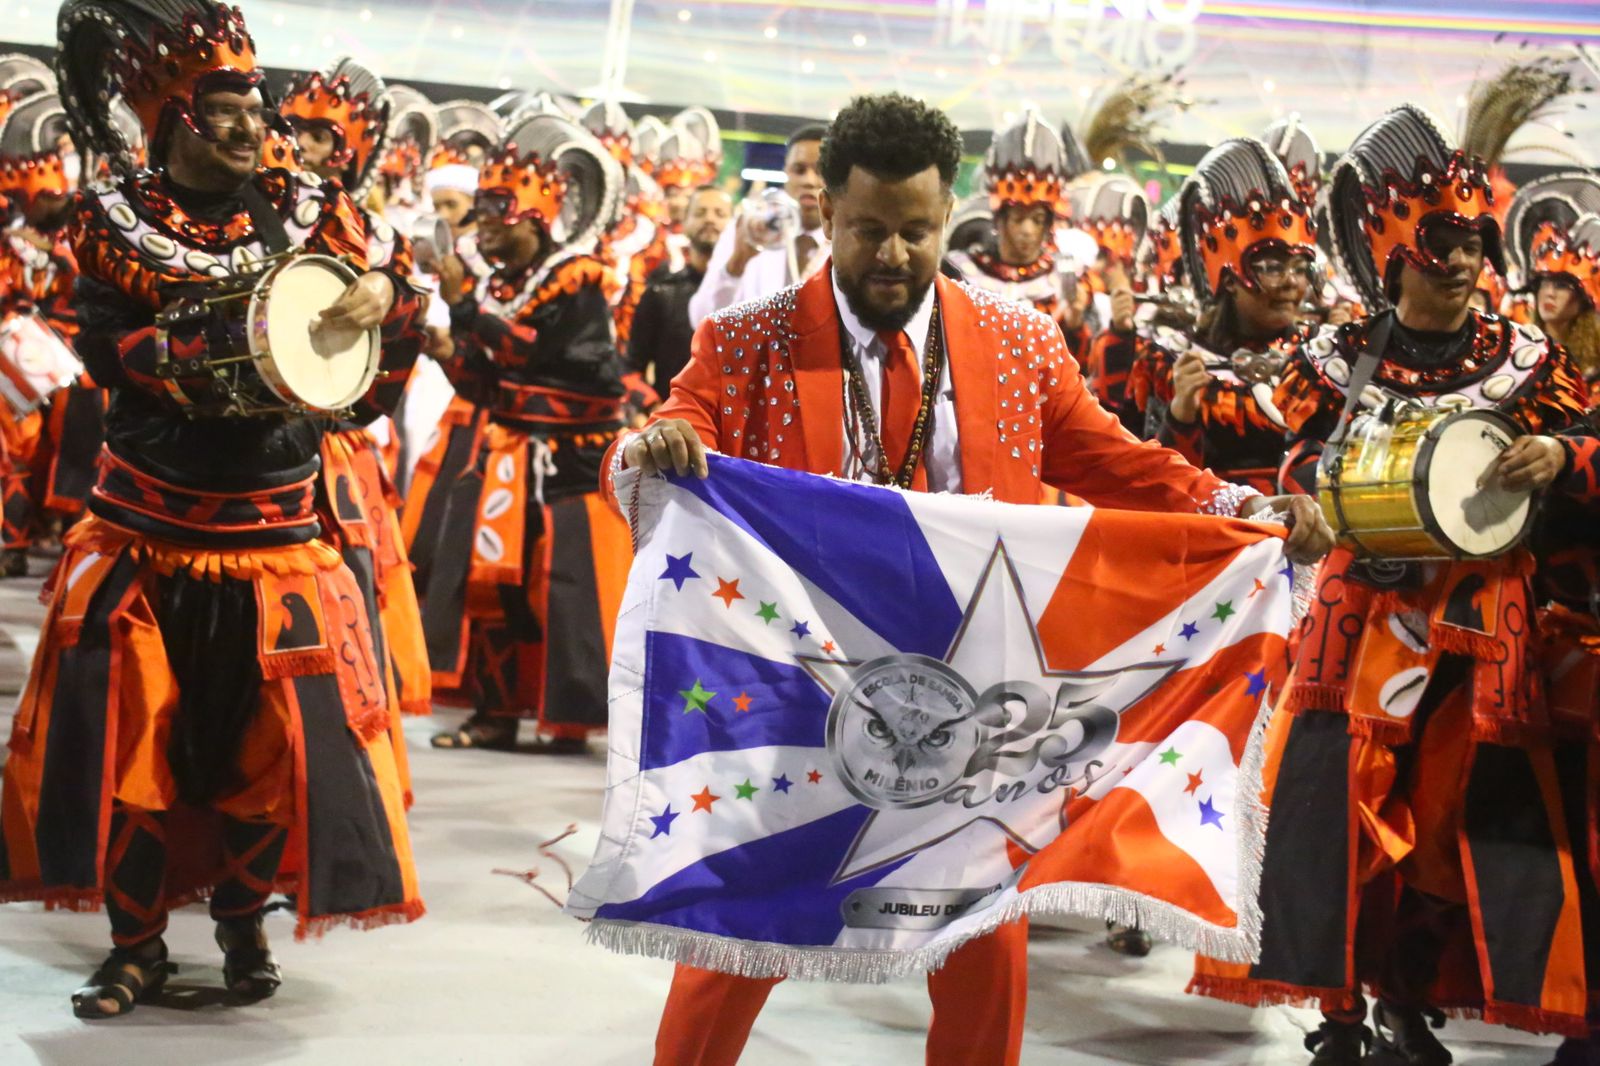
[[858, 406]]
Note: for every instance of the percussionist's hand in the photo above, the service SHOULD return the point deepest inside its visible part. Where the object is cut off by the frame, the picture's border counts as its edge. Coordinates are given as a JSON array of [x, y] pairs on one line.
[[1189, 379], [1310, 536], [364, 304], [1530, 464], [452, 279], [670, 444], [1122, 308]]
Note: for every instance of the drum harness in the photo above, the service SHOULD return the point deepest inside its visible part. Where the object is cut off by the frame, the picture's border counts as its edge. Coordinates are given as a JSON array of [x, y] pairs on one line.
[[1360, 377]]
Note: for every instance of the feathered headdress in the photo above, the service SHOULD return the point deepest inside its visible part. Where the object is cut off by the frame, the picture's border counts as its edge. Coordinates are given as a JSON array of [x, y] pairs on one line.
[[1125, 122]]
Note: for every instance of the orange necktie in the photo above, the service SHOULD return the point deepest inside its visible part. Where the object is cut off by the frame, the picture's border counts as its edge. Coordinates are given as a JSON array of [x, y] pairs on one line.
[[900, 399]]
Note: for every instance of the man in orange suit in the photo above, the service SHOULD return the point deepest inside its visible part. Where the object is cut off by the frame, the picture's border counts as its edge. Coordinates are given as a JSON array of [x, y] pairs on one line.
[[880, 369]]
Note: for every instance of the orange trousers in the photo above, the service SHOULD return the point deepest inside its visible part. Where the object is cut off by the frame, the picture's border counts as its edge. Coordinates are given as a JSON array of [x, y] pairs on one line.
[[980, 997]]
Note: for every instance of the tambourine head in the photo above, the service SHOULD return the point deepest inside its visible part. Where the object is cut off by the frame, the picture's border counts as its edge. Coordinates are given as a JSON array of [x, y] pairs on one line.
[[304, 364]]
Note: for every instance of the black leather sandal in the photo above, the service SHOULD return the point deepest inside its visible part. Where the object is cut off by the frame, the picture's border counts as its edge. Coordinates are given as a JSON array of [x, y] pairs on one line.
[[128, 977], [1127, 940], [480, 731], [249, 972]]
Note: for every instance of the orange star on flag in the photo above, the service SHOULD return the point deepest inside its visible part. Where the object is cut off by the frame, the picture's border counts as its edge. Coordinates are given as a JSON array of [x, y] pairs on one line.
[[704, 799], [828, 648], [1259, 588], [1194, 783], [728, 591], [741, 703], [1160, 649]]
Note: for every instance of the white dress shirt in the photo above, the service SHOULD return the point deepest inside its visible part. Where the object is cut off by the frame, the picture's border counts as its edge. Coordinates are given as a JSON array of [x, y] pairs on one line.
[[941, 456], [766, 273]]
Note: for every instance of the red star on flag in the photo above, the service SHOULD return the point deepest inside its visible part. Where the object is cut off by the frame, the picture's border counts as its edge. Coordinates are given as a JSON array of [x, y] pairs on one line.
[[1259, 588], [1194, 783], [728, 591], [741, 703], [813, 777], [704, 799], [828, 648], [1160, 649]]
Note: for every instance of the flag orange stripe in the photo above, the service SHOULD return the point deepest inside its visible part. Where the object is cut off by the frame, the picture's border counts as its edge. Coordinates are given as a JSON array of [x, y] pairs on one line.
[[1128, 572], [1215, 691]]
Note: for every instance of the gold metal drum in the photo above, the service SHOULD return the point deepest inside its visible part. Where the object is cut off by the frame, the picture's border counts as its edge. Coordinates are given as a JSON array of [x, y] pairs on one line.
[[1404, 485]]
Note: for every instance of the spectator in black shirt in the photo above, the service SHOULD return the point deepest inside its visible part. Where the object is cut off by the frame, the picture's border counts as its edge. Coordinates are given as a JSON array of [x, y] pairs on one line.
[[659, 345]]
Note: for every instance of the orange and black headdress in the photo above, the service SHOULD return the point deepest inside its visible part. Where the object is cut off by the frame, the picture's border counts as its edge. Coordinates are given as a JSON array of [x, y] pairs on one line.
[[1238, 204], [695, 156], [1163, 252], [351, 103], [684, 162], [160, 55], [413, 127], [1399, 179], [550, 170], [22, 75], [648, 134], [1025, 166], [1297, 150], [468, 134], [1553, 230], [608, 124], [1113, 210], [31, 138]]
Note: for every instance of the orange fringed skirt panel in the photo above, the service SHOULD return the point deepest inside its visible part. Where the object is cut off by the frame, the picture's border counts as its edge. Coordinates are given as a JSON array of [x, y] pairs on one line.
[[101, 700]]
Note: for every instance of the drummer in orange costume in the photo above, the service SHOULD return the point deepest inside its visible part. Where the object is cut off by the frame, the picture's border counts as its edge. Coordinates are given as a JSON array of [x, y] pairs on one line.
[[49, 449], [1413, 746], [341, 123], [203, 715], [525, 563]]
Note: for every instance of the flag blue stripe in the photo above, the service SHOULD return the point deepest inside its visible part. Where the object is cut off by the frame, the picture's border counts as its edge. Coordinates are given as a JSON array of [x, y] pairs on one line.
[[787, 707], [774, 889], [860, 545]]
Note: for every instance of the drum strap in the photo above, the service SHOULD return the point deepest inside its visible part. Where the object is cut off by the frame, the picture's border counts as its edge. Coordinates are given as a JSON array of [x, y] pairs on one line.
[[1361, 375], [269, 225]]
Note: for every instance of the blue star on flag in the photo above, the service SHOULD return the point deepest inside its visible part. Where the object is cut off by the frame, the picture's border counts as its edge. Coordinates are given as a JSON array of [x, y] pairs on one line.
[[1209, 815], [663, 822], [1256, 682], [1288, 572], [801, 629], [1189, 631], [678, 570], [781, 783]]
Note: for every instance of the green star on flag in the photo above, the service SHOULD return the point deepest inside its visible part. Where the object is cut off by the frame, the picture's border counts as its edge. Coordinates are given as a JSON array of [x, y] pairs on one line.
[[695, 699], [768, 613], [746, 790], [1171, 756], [1223, 611]]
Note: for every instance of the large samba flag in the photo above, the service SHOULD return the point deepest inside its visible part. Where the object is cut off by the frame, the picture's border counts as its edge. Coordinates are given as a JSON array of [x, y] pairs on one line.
[[853, 727]]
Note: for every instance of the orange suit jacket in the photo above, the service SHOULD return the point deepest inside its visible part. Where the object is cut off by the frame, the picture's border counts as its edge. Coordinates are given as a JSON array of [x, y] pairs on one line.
[[765, 382]]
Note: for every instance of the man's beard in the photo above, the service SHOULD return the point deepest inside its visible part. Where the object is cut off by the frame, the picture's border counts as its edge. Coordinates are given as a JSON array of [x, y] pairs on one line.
[[702, 246], [876, 320]]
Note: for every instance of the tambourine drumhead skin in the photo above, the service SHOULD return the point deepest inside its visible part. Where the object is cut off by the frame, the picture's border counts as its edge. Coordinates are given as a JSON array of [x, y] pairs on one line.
[[323, 370], [35, 360], [1414, 494], [1475, 522]]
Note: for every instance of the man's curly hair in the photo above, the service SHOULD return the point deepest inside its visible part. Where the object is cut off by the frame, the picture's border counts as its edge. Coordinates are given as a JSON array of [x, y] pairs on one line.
[[891, 136]]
